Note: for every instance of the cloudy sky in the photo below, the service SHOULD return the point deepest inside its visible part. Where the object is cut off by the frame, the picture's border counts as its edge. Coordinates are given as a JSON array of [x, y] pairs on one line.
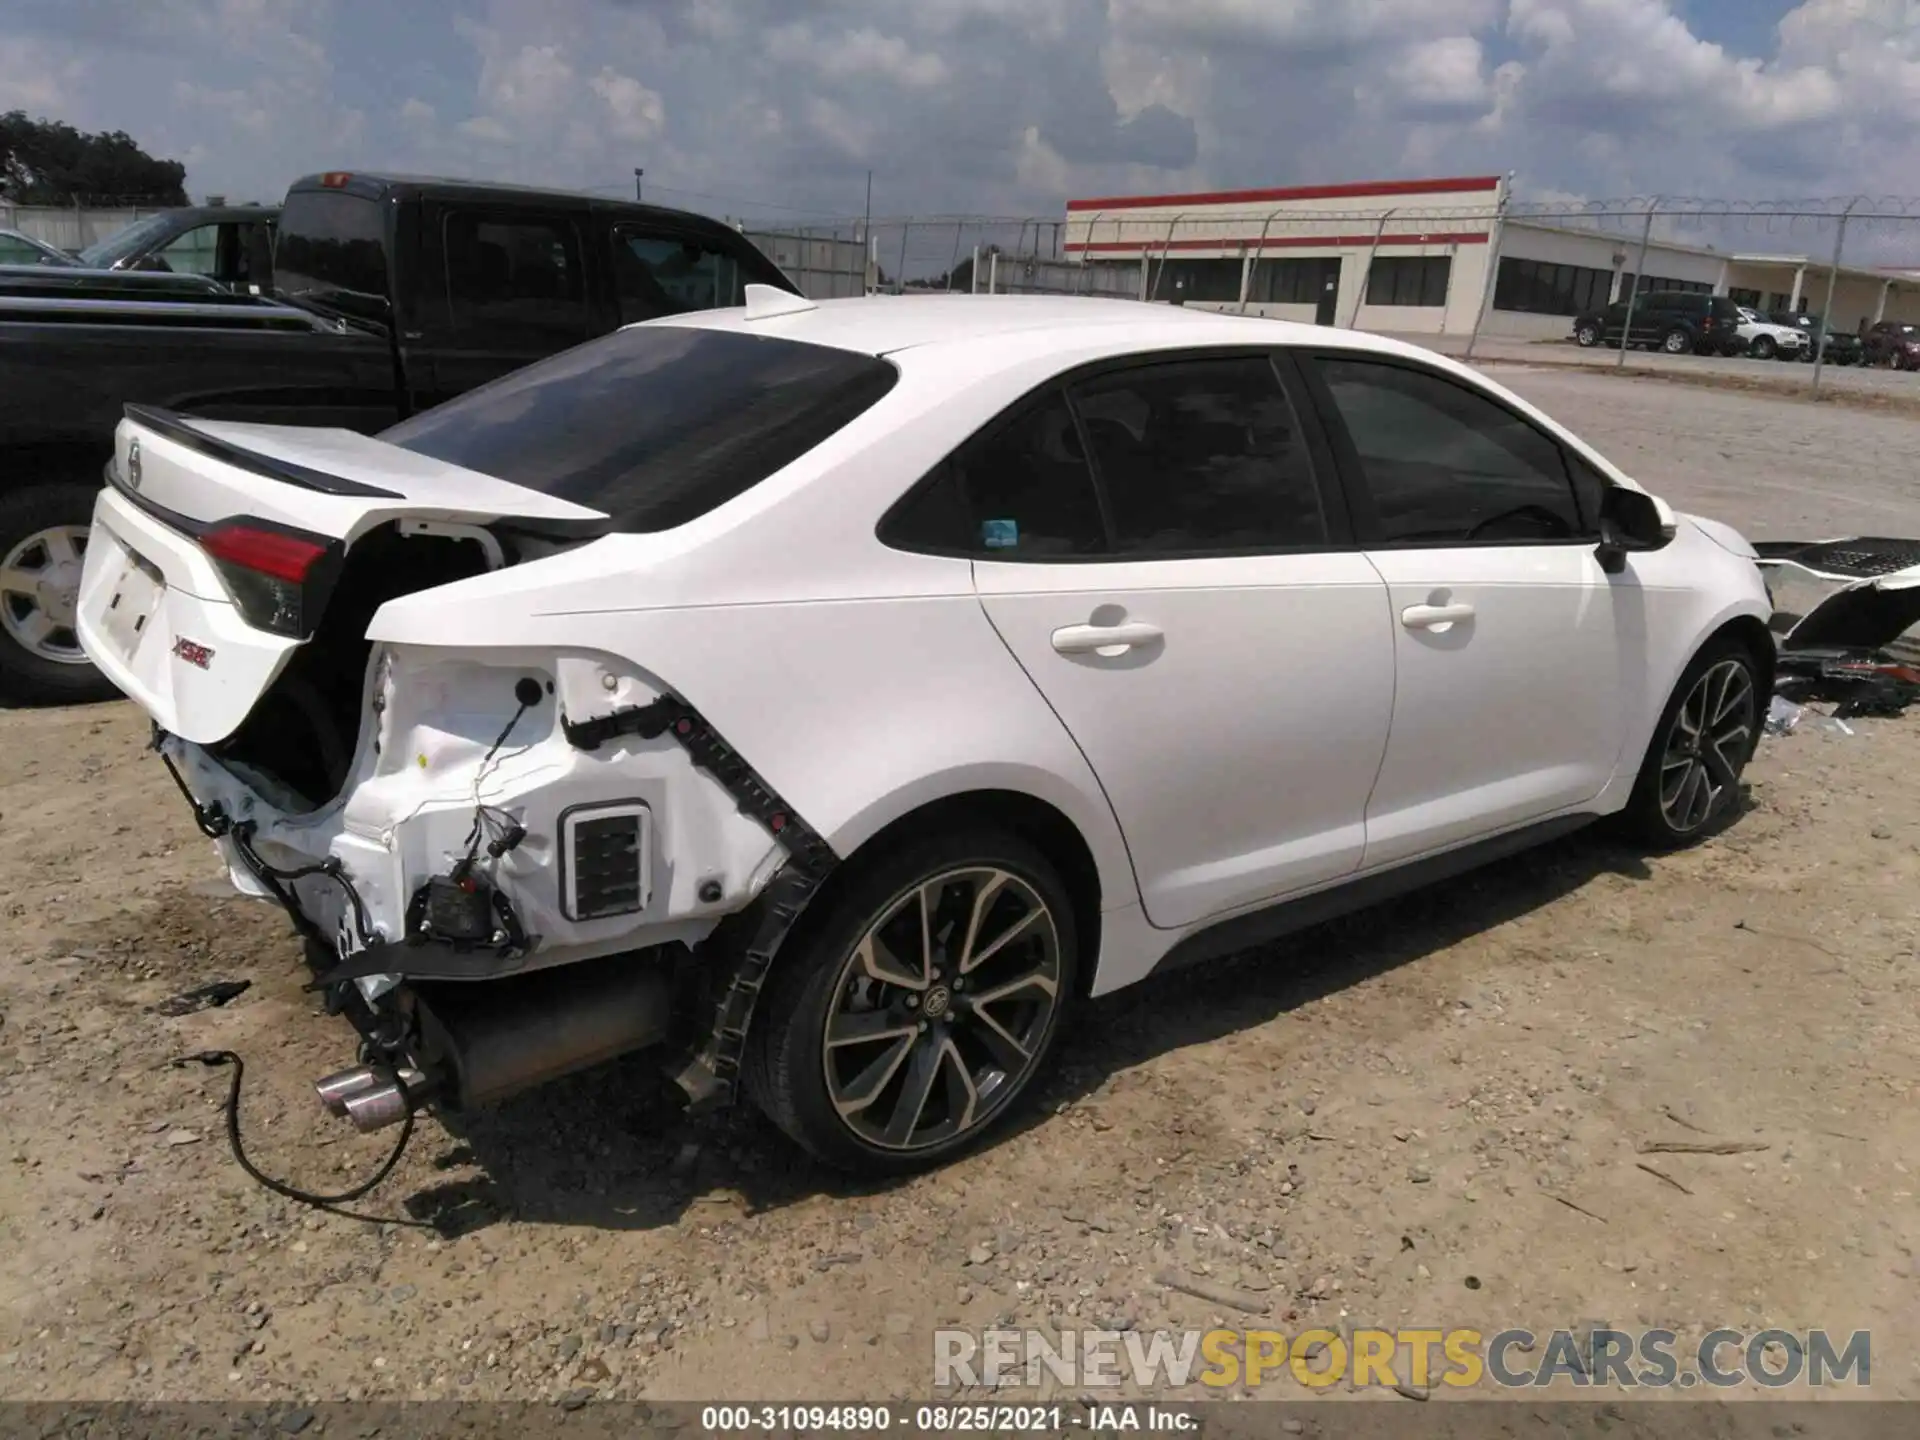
[[778, 108]]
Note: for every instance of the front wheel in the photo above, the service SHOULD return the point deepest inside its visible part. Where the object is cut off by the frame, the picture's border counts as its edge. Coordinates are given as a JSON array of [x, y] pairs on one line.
[[43, 545], [1689, 783], [1764, 348], [916, 1011], [1587, 336]]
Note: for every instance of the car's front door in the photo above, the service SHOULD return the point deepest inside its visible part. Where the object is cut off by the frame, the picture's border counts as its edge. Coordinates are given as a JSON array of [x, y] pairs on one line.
[[1510, 637], [1166, 553]]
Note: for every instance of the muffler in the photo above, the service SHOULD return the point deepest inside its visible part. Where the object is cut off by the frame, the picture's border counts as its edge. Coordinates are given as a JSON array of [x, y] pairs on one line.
[[486, 1040]]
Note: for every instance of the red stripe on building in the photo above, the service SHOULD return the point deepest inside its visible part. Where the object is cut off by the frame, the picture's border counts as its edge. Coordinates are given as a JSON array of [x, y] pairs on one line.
[[1278, 242], [1364, 189]]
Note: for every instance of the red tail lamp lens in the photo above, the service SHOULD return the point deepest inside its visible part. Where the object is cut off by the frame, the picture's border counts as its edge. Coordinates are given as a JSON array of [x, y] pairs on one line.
[[284, 557]]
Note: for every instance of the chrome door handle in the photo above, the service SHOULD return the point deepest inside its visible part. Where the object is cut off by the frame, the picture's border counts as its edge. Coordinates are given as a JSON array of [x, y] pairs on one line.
[[1104, 639], [1427, 617]]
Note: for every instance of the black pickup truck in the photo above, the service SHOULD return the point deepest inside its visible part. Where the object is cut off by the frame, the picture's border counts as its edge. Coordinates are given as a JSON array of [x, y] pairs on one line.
[[391, 295]]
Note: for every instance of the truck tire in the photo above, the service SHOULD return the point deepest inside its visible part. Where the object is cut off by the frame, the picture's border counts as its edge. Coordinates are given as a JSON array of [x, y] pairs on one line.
[[43, 538]]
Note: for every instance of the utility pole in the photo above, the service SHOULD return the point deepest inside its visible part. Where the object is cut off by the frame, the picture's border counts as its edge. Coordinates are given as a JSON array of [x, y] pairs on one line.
[[636, 182], [868, 255]]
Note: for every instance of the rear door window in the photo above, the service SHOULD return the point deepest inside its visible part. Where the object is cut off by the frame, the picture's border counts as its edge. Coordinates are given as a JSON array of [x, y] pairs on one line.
[[1029, 488], [1201, 456], [656, 274], [655, 425], [516, 279]]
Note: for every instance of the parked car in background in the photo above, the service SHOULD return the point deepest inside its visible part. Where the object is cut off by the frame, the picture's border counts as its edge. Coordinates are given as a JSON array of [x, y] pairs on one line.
[[232, 244], [19, 248], [1678, 322], [1895, 343], [394, 296], [875, 680], [1842, 347], [1765, 339]]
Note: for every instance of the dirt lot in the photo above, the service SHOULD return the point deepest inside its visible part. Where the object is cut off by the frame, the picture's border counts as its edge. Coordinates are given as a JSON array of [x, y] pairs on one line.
[[1426, 1116], [1865, 387]]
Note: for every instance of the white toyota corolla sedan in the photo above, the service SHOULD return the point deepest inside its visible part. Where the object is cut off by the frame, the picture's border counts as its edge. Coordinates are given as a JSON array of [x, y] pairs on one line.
[[832, 697]]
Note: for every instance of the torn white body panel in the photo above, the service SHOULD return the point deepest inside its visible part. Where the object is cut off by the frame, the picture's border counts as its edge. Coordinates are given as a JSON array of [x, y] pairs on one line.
[[432, 789]]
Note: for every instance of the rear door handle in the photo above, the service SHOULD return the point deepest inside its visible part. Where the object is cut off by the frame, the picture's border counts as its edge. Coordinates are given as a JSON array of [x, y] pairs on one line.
[[1426, 617], [1104, 639]]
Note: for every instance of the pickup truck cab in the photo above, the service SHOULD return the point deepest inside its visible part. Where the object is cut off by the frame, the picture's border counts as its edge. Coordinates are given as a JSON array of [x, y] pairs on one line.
[[393, 294], [231, 244]]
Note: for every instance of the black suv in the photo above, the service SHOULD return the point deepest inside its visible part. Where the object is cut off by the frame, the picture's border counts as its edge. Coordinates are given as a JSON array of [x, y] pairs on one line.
[[1678, 322]]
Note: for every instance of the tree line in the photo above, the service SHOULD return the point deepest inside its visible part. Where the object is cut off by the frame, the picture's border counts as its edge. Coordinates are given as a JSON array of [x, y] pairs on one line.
[[49, 162]]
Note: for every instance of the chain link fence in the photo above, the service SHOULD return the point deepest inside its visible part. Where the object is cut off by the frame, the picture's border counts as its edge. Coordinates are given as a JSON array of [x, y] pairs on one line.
[[1844, 272], [1464, 271]]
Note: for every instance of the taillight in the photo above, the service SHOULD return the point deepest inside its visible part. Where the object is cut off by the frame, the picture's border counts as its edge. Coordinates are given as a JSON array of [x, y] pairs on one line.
[[270, 573]]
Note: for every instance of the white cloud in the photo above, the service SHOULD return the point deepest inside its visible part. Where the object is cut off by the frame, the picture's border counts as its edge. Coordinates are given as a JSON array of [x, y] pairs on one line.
[[637, 112], [484, 127], [1002, 106], [36, 77]]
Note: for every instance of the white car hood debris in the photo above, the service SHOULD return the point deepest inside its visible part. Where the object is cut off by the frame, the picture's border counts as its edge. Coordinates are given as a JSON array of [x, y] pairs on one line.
[[1877, 598]]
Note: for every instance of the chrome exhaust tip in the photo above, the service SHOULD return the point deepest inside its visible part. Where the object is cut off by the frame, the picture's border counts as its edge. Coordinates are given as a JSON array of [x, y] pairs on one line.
[[336, 1089], [387, 1102]]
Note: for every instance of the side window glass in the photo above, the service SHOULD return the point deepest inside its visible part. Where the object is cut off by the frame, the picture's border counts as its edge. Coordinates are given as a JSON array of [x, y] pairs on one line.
[[1201, 455], [195, 253], [519, 279], [933, 517], [658, 275], [1029, 488], [1443, 464]]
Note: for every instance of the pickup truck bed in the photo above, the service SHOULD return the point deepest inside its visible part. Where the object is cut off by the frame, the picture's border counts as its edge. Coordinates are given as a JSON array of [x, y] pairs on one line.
[[393, 294]]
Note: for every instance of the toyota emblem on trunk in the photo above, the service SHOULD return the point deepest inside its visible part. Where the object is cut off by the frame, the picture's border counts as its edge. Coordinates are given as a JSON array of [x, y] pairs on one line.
[[133, 463]]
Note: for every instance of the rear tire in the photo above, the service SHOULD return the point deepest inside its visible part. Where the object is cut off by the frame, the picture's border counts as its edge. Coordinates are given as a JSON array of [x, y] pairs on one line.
[[42, 542], [1587, 336], [1677, 342], [1689, 782], [837, 1054]]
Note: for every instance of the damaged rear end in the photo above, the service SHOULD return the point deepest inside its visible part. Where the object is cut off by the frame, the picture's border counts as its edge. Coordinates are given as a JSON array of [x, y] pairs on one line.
[[508, 863]]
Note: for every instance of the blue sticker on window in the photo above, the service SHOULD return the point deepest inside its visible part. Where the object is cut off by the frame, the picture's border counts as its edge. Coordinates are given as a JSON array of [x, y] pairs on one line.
[[1000, 534]]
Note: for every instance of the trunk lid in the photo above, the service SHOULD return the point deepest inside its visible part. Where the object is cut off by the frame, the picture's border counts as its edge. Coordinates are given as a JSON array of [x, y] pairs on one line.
[[217, 546]]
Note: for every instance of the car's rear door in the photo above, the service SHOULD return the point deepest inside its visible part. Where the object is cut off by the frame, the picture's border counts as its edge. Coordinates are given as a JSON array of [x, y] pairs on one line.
[[1510, 639], [1163, 548]]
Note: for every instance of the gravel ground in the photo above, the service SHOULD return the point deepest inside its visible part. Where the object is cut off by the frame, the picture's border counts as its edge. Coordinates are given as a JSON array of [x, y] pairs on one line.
[[1855, 385], [1430, 1116]]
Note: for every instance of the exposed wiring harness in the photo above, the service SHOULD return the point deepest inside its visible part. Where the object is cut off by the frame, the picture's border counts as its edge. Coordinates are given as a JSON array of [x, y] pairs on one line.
[[500, 840], [213, 1059]]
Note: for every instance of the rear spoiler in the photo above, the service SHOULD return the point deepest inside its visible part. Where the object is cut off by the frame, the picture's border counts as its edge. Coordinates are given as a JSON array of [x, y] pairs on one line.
[[178, 428]]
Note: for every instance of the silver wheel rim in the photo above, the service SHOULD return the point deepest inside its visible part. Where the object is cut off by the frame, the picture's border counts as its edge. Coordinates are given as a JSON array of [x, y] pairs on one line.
[[1675, 344], [1587, 335], [1707, 744], [40, 592], [940, 1012]]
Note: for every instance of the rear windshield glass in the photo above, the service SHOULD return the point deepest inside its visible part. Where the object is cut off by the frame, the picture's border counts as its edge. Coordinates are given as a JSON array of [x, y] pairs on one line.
[[332, 250], [654, 425]]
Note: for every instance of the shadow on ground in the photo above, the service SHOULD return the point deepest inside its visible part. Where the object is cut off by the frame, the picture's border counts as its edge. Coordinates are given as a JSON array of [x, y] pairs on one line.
[[610, 1149]]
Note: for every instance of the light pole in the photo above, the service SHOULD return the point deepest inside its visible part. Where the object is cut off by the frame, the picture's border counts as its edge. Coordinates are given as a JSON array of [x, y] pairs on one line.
[[636, 182]]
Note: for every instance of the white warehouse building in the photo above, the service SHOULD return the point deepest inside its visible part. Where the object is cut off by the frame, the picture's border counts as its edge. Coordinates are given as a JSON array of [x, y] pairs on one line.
[[1412, 256]]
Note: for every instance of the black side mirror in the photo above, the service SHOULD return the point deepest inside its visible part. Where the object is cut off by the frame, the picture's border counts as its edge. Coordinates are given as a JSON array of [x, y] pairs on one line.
[[1629, 521]]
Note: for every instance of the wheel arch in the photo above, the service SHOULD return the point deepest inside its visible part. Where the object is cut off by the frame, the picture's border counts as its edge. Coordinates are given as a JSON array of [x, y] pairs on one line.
[[1020, 813]]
